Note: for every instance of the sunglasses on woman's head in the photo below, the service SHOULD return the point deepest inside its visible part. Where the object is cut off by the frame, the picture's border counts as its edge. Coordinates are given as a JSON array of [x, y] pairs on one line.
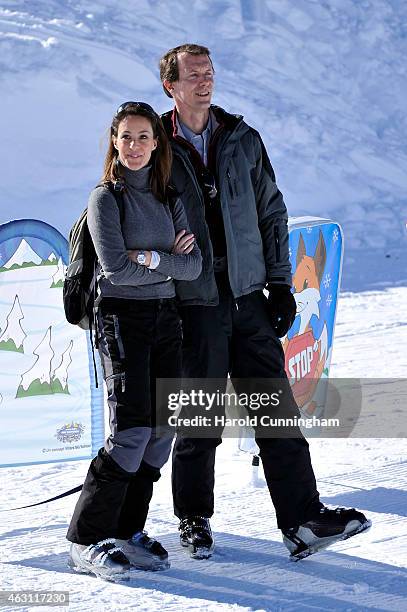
[[149, 109]]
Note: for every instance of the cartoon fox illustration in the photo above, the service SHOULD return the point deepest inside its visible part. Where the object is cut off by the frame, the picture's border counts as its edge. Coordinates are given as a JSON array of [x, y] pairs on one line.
[[305, 355]]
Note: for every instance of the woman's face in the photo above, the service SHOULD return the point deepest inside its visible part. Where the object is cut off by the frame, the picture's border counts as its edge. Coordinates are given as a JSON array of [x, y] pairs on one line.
[[135, 141]]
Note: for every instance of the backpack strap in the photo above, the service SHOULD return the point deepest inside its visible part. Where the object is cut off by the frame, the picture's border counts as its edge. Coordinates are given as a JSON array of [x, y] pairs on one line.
[[116, 188]]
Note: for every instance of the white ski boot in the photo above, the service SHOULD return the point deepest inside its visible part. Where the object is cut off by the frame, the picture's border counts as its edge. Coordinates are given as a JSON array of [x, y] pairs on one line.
[[104, 560]]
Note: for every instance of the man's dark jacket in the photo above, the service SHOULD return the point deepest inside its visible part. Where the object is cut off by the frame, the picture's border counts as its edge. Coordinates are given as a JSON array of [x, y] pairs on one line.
[[253, 210]]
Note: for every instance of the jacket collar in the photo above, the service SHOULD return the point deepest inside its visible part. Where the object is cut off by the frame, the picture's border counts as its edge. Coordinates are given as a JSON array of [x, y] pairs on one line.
[[225, 120], [228, 125]]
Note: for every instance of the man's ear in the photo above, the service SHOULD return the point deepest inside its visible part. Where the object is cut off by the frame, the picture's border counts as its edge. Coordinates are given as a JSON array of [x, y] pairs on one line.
[[168, 86]]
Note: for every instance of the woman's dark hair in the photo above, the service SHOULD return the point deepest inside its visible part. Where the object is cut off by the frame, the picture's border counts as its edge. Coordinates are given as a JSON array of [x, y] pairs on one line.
[[161, 157]]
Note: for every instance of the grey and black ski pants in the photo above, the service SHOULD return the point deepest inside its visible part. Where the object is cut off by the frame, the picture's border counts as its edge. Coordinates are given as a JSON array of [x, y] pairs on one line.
[[139, 341]]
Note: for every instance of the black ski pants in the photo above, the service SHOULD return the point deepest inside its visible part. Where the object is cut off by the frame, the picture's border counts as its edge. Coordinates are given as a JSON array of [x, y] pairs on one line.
[[139, 341], [236, 337]]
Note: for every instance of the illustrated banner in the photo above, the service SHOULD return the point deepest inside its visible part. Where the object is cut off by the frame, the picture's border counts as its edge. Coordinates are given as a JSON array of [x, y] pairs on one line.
[[316, 251], [50, 408], [316, 247]]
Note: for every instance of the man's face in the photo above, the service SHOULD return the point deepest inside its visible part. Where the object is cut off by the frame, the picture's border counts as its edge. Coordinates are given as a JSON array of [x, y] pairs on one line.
[[193, 90]]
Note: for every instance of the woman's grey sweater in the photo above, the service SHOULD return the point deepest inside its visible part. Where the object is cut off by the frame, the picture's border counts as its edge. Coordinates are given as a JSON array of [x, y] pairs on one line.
[[147, 224]]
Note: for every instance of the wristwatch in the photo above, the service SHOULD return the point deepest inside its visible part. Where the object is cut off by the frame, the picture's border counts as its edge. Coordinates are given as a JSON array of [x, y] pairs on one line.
[[141, 258]]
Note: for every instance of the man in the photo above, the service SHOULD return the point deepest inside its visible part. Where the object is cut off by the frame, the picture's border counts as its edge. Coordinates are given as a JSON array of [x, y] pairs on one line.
[[239, 219]]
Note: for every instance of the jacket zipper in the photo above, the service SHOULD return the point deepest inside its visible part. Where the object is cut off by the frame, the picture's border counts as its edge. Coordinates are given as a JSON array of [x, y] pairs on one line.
[[190, 170], [277, 243], [229, 183]]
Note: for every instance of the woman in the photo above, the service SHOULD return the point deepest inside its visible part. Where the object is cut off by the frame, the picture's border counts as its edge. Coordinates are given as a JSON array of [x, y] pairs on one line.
[[141, 249]]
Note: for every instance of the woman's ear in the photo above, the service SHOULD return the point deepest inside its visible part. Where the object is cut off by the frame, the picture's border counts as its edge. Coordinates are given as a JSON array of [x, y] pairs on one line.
[[155, 143], [114, 141]]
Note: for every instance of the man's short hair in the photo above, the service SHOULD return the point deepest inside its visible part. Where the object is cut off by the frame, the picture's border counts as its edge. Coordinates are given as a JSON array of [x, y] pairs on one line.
[[169, 62]]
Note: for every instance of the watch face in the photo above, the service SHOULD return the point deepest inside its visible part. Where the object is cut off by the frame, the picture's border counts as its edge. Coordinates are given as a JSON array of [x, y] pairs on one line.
[[141, 258]]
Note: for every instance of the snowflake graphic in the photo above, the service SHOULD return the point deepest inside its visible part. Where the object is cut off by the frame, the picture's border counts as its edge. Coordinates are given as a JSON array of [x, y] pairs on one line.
[[309, 229], [327, 280], [328, 301], [335, 235], [290, 253]]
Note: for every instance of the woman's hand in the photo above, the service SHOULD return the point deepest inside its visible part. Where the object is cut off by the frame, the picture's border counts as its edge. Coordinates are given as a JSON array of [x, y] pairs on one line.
[[184, 243], [132, 255]]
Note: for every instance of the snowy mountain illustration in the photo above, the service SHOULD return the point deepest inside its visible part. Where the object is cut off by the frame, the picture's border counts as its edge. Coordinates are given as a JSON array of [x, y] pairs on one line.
[[37, 380], [13, 336], [52, 258], [59, 378], [23, 257], [58, 278]]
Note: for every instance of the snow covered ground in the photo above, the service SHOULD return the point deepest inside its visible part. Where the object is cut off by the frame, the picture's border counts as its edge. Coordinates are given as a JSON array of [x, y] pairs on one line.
[[250, 569], [324, 82]]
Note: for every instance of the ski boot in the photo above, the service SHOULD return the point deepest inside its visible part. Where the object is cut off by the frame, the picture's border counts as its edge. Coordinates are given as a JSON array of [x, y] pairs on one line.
[[104, 560], [144, 553], [196, 535], [325, 528]]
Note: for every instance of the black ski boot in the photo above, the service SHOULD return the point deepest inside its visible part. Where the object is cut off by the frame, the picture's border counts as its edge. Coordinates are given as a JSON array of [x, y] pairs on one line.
[[196, 535], [325, 528]]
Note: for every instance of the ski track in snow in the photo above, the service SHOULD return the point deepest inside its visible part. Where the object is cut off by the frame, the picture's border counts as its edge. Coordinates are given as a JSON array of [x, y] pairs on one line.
[[250, 569]]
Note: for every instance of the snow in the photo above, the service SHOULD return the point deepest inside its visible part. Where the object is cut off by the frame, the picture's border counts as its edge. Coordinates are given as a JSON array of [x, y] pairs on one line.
[[250, 569], [325, 84]]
